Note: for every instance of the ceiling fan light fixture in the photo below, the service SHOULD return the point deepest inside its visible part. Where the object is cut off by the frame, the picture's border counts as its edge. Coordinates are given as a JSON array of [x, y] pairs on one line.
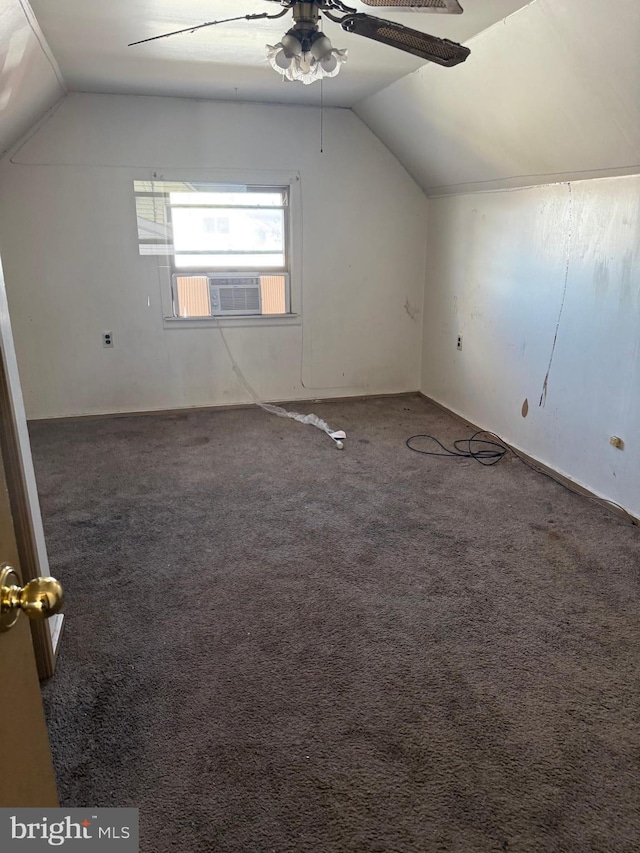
[[282, 61], [326, 56], [305, 58], [282, 55], [320, 46], [333, 62], [291, 43], [329, 64]]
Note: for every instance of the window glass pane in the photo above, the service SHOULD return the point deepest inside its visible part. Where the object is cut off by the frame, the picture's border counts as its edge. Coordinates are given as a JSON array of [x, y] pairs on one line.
[[224, 233], [242, 260], [153, 224], [230, 199]]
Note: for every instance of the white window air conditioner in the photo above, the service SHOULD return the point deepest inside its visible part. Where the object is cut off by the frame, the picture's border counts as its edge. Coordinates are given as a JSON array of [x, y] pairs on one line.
[[235, 295]]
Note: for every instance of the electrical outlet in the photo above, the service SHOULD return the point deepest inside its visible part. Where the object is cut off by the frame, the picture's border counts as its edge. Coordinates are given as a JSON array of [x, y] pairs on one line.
[[107, 339], [459, 342]]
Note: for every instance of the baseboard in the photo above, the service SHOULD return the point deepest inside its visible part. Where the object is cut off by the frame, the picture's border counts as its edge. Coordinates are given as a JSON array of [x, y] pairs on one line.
[[307, 401], [565, 481]]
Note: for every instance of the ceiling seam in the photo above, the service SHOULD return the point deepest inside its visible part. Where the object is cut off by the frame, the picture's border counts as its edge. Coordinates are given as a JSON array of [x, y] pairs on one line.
[[562, 178], [14, 150]]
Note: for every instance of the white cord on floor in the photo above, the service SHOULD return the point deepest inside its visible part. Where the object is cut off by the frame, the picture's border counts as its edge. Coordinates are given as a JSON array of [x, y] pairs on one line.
[[337, 436]]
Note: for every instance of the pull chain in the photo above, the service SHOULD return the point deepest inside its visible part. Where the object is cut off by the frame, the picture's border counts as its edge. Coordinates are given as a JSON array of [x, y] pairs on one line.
[[322, 116], [322, 102]]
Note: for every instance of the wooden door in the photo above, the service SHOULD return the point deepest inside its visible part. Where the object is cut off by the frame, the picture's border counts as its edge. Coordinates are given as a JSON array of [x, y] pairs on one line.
[[21, 483], [26, 771]]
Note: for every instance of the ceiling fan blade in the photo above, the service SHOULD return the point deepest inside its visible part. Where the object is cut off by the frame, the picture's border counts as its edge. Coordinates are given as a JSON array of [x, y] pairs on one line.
[[447, 7], [441, 51], [254, 17]]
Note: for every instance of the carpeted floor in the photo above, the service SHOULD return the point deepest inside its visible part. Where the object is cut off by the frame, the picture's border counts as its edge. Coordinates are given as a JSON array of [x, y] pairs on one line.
[[278, 647]]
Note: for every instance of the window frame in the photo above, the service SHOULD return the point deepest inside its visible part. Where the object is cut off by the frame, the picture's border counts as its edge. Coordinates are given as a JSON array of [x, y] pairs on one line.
[[287, 183]]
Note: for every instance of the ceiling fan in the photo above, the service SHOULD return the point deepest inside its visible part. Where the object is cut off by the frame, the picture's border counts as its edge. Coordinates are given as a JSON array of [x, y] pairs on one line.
[[306, 54]]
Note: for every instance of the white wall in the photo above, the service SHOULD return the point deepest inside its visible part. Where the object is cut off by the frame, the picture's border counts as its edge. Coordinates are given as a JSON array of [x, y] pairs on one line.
[[497, 266], [30, 81], [552, 93], [69, 246]]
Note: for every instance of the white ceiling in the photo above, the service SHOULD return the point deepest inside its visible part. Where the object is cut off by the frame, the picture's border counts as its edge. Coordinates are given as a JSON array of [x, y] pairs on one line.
[[89, 40], [569, 108]]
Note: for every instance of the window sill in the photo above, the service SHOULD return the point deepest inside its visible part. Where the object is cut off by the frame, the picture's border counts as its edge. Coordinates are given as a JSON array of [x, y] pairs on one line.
[[231, 322]]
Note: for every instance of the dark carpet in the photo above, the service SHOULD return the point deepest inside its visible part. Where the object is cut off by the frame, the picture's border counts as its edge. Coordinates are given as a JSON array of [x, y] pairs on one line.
[[273, 645]]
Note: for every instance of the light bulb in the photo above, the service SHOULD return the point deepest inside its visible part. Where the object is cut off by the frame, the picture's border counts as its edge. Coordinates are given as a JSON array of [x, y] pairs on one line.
[[329, 63], [321, 47], [282, 60], [281, 56], [291, 44]]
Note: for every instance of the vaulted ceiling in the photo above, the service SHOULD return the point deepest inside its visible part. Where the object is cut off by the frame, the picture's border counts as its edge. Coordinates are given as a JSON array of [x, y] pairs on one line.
[[551, 92], [227, 62], [551, 95]]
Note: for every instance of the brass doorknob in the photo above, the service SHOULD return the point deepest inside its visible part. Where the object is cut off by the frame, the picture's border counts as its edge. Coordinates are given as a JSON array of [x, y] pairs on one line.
[[39, 599]]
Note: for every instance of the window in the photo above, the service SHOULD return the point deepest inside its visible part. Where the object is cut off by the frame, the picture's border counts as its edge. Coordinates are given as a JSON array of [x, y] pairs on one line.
[[227, 245]]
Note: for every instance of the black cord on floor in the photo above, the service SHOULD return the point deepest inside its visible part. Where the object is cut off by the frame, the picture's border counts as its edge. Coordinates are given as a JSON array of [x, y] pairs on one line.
[[483, 451], [486, 456]]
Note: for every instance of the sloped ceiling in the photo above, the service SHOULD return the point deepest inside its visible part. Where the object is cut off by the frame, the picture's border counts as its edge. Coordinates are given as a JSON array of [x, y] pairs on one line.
[[551, 93], [227, 62], [30, 81]]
